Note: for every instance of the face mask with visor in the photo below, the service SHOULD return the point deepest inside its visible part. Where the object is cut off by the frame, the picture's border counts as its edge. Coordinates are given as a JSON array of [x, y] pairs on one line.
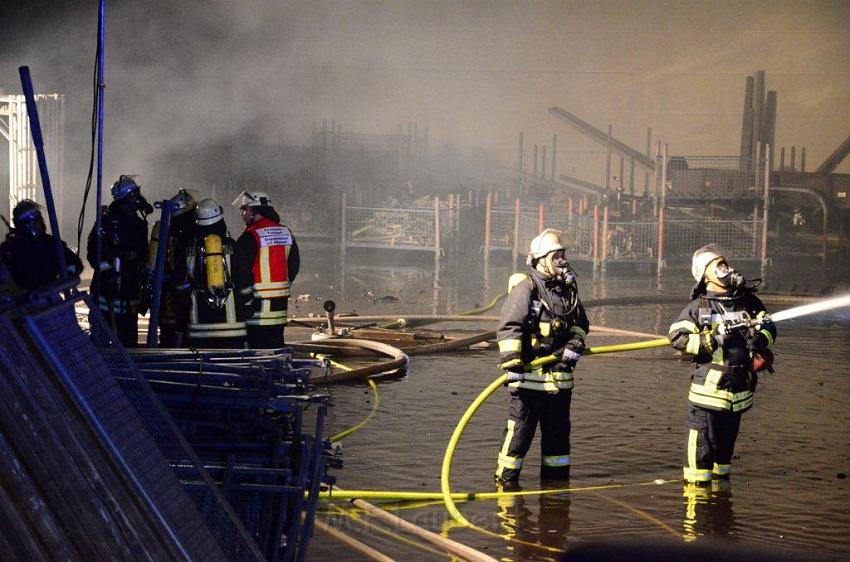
[[727, 276]]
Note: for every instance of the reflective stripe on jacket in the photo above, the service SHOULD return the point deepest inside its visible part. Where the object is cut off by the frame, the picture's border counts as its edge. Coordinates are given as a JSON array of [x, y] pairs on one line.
[[532, 328], [271, 275], [206, 320], [722, 379]]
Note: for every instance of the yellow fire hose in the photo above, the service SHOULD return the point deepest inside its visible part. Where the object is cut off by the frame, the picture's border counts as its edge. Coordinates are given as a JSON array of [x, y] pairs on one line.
[[445, 483], [350, 430]]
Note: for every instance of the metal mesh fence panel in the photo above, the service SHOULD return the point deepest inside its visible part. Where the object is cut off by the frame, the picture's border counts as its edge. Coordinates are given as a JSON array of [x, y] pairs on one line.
[[740, 239], [310, 219], [62, 486], [579, 236], [632, 241], [501, 229], [411, 229], [707, 177], [133, 424]]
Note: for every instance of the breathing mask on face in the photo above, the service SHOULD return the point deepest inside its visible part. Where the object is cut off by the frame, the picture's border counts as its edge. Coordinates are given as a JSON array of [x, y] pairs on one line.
[[557, 267], [29, 223], [727, 276], [141, 204]]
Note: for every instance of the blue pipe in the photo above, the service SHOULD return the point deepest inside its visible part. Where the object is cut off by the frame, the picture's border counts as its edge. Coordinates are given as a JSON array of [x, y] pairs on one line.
[[38, 141], [98, 252], [167, 207]]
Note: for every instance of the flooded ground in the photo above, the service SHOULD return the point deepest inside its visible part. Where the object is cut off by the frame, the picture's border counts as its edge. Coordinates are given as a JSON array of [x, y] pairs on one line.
[[789, 488]]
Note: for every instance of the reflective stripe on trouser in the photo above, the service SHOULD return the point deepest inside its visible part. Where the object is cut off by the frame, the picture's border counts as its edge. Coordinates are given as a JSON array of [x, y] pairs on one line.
[[265, 316], [220, 335], [710, 443], [527, 409], [265, 327], [549, 381]]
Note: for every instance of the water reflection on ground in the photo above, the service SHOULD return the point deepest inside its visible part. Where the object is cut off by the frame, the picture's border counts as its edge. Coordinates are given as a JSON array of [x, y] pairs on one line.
[[788, 490]]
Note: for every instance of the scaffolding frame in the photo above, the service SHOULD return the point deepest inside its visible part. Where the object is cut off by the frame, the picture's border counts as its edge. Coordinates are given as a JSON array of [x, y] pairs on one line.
[[24, 179]]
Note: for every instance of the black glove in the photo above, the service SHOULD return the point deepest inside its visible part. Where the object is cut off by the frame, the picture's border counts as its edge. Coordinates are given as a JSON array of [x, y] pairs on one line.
[[709, 341], [511, 361], [755, 340]]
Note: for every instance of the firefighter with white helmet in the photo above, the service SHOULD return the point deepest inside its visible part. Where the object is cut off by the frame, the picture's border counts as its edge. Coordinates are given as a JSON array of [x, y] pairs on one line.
[[217, 282], [270, 252], [542, 315], [123, 258], [727, 355]]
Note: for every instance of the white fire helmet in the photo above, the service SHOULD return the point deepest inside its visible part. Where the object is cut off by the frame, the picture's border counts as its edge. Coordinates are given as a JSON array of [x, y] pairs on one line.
[[547, 241], [209, 212], [702, 258], [252, 199]]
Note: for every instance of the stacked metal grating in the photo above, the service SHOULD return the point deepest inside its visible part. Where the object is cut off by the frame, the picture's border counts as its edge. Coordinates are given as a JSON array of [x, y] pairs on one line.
[[94, 467], [85, 477], [245, 415]]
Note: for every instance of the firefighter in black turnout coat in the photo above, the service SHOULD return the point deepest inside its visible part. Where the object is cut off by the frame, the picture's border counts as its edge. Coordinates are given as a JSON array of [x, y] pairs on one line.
[[123, 258], [174, 311], [542, 315], [29, 252], [218, 284], [728, 354]]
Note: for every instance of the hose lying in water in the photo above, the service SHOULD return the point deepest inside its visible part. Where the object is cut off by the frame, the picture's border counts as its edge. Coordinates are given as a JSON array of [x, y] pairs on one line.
[[392, 495], [375, 405], [336, 345], [445, 484]]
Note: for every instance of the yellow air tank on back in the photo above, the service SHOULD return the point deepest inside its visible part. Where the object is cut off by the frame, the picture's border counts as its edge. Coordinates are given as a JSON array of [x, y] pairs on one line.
[[214, 263]]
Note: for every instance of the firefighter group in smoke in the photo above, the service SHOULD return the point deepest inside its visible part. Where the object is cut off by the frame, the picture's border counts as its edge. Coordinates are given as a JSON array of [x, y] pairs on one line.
[[217, 292], [224, 293]]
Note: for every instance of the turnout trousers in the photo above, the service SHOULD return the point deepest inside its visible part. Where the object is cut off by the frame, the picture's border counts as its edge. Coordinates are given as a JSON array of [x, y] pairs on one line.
[[710, 443], [527, 409]]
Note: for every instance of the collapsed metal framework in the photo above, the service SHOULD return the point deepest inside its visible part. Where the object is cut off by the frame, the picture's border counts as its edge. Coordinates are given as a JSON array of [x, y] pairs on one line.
[[24, 181]]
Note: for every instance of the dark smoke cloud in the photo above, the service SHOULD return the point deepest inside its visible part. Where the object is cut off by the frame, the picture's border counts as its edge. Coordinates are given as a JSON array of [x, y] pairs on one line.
[[223, 89]]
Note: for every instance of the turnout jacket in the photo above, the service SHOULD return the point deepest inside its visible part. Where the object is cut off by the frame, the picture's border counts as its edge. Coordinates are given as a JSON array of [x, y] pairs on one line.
[[206, 319], [268, 249], [33, 262], [722, 379], [125, 236], [537, 320]]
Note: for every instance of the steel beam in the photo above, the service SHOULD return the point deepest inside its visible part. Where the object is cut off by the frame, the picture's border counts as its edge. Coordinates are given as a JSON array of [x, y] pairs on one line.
[[601, 137]]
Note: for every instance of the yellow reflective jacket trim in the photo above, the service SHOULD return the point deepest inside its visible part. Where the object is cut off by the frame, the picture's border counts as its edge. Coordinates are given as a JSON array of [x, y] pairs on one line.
[[693, 344], [686, 325], [551, 381], [236, 333], [543, 387], [768, 336], [545, 328], [510, 346], [515, 280], [720, 399]]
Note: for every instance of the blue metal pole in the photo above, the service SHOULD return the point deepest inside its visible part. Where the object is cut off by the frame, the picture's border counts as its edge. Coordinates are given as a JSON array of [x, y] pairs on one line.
[[159, 268], [98, 252], [38, 141]]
